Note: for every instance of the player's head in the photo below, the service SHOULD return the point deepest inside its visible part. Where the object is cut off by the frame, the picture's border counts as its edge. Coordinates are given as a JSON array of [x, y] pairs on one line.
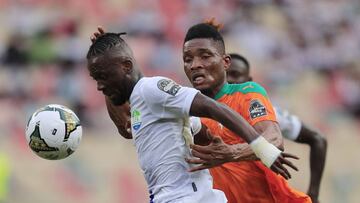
[[112, 65], [239, 70], [205, 60]]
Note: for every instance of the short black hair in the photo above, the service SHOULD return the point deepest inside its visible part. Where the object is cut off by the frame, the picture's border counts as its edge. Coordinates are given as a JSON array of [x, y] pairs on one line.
[[241, 58], [104, 43], [204, 30]]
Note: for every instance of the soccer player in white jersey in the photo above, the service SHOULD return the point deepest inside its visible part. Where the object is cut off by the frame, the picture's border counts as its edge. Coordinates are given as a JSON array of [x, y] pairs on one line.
[[160, 126]]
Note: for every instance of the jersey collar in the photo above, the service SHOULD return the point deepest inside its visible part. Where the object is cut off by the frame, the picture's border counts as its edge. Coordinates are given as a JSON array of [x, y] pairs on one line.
[[222, 92]]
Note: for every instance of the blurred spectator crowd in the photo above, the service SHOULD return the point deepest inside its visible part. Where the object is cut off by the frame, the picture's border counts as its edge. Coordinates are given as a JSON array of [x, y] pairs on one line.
[[43, 44], [303, 51]]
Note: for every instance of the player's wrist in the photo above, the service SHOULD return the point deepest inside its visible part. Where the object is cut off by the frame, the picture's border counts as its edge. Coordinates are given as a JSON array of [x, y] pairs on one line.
[[265, 151], [313, 193], [233, 154]]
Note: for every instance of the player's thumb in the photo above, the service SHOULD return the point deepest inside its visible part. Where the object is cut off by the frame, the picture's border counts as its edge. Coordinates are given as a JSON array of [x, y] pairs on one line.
[[217, 139], [213, 138], [209, 135]]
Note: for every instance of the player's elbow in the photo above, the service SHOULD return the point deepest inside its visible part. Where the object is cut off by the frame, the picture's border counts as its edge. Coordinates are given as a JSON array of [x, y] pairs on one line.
[[318, 141], [125, 134]]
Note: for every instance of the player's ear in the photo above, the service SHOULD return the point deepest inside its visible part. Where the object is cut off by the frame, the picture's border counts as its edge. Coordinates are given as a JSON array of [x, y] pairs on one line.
[[127, 66], [227, 61]]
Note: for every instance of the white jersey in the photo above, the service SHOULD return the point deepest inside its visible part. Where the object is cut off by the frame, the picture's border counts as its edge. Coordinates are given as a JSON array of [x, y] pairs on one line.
[[161, 132], [290, 125]]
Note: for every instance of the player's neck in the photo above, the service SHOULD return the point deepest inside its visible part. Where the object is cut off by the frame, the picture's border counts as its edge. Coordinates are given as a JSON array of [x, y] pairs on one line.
[[212, 92], [134, 80]]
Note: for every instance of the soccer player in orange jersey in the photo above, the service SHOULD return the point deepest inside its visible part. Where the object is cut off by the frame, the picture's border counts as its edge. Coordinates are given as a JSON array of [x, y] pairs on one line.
[[291, 126], [205, 64]]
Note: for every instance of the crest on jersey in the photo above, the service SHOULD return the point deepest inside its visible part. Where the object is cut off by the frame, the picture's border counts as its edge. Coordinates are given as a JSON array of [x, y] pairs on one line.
[[136, 119], [168, 86], [257, 109]]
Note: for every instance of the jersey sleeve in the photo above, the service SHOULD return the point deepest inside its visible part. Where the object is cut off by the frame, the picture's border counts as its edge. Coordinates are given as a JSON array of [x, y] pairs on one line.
[[195, 125], [257, 107], [290, 125], [167, 99]]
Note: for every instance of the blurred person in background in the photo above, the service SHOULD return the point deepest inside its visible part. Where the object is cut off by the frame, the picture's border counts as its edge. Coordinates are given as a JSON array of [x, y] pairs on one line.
[[349, 77], [237, 171], [291, 126], [158, 105], [16, 54]]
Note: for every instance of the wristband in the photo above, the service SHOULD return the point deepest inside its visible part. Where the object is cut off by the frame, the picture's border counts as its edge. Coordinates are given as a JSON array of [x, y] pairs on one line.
[[265, 151]]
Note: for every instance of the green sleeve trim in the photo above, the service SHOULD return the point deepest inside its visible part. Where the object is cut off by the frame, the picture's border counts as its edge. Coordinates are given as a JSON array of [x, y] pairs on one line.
[[247, 87]]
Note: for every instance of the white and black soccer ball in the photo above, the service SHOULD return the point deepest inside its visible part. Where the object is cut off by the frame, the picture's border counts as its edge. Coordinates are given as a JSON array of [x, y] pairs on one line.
[[53, 132]]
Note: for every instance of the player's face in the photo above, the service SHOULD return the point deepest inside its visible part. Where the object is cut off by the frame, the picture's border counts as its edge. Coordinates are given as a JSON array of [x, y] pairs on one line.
[[237, 72], [111, 79], [204, 65]]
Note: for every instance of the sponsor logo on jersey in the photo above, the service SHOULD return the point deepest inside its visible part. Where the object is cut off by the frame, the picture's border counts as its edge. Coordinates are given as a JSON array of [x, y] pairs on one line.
[[168, 86], [135, 119], [257, 109]]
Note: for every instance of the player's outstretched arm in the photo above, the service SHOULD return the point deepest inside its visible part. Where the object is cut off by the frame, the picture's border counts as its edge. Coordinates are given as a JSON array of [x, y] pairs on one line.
[[217, 152], [271, 156], [318, 146], [120, 115], [238, 152]]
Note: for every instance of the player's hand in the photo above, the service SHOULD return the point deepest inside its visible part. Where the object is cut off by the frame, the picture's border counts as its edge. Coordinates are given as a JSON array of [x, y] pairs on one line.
[[128, 126], [126, 129], [100, 31], [279, 165], [214, 154]]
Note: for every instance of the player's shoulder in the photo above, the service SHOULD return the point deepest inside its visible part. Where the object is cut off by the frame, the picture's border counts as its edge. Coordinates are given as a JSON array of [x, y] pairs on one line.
[[159, 85], [244, 88], [156, 81], [151, 80]]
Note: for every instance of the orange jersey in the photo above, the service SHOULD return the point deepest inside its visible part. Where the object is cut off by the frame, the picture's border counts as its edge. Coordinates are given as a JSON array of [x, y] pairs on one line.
[[249, 181]]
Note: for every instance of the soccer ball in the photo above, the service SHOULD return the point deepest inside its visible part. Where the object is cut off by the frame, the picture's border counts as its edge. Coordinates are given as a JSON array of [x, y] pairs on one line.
[[53, 132]]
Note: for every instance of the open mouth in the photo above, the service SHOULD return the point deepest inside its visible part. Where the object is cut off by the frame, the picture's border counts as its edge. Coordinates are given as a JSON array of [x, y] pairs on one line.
[[198, 78]]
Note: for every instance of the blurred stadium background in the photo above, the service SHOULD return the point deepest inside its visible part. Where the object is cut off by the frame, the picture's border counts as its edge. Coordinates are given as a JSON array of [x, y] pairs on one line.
[[306, 53]]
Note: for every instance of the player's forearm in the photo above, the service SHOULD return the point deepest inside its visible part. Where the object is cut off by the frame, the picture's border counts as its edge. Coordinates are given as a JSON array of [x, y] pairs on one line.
[[318, 147], [120, 116], [270, 130], [317, 162], [232, 121], [243, 152]]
